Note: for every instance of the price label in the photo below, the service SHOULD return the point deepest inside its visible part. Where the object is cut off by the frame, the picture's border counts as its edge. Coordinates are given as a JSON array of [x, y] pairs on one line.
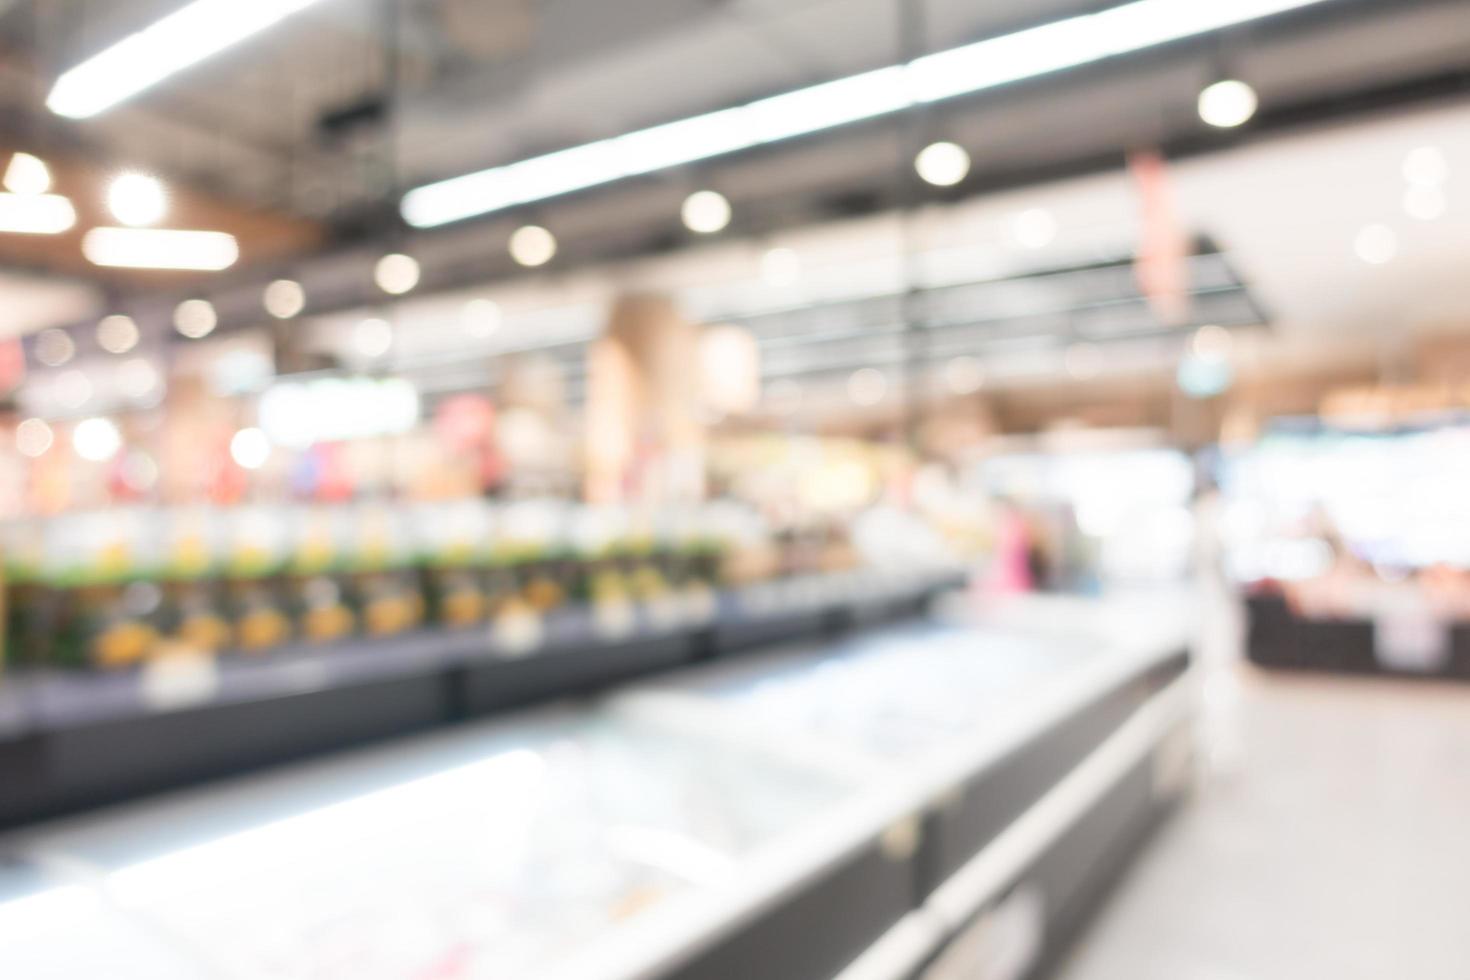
[[518, 633], [614, 620], [179, 680]]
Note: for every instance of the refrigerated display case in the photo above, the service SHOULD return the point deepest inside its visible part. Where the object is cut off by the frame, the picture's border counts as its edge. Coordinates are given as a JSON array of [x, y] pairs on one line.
[[800, 816], [494, 853]]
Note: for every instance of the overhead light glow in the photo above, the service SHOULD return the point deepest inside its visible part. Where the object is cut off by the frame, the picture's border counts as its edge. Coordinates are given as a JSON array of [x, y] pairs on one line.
[[943, 164], [117, 334], [532, 245], [54, 347], [373, 337], [36, 214], [780, 266], [182, 39], [139, 379], [1204, 377], [33, 438], [250, 449], [867, 386], [159, 248], [397, 274], [284, 299], [1425, 202], [73, 389], [1228, 104], [481, 318], [1426, 166], [1212, 343], [975, 67], [27, 174], [137, 200], [1034, 228], [298, 414], [195, 318], [705, 212], [1376, 244], [96, 440]]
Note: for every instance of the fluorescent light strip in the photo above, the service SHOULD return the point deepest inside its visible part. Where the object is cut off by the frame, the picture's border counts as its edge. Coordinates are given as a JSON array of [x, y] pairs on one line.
[[987, 64], [182, 39], [36, 214], [160, 248]]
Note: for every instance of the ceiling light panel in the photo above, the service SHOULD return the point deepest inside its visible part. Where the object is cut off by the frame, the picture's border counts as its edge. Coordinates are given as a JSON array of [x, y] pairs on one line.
[[156, 248], [184, 38], [973, 68]]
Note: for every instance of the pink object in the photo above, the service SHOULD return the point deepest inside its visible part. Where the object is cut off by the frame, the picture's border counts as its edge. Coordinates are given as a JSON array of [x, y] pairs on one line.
[[1010, 570]]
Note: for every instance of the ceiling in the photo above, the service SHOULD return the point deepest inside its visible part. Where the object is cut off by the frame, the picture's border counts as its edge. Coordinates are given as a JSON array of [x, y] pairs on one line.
[[303, 136]]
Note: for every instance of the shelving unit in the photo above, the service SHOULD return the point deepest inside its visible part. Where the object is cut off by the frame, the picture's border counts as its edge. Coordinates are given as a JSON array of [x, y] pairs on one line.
[[80, 740]]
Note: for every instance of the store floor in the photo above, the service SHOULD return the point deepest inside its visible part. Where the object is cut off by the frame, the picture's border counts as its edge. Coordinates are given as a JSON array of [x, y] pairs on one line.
[[1330, 838]]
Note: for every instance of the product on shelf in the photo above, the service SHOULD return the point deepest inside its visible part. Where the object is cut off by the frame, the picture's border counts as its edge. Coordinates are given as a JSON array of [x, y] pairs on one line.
[[112, 590]]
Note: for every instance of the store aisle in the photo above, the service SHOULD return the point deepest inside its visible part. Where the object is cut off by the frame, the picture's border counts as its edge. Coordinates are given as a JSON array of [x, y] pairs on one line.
[[1330, 839]]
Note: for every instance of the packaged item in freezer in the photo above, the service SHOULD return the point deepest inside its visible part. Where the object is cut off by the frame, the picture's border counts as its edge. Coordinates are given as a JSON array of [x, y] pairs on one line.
[[26, 638], [319, 585], [196, 616], [105, 605], [531, 537], [454, 545], [256, 587], [384, 576]]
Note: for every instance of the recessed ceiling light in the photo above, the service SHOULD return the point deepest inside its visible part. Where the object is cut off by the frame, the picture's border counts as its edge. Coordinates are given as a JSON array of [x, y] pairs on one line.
[[964, 375], [867, 386], [117, 334], [1034, 228], [1228, 104], [1426, 166], [284, 299], [396, 274], [780, 266], [1376, 244], [73, 389], [250, 448], [373, 337], [532, 245], [96, 440], [54, 347], [33, 438], [27, 174], [705, 212], [481, 317], [139, 378], [1212, 342], [1425, 202], [137, 200], [943, 164], [195, 318]]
